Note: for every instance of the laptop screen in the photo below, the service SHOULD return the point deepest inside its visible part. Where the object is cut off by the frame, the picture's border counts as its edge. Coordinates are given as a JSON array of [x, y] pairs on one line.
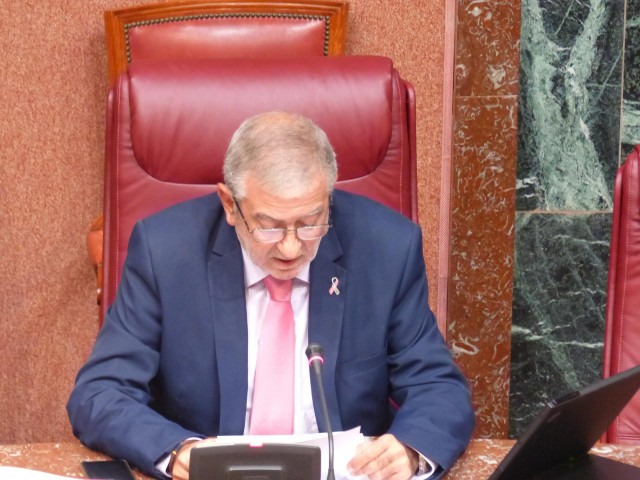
[[568, 427]]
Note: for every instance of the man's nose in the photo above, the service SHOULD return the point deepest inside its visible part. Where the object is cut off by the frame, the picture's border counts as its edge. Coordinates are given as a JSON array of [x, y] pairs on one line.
[[289, 246]]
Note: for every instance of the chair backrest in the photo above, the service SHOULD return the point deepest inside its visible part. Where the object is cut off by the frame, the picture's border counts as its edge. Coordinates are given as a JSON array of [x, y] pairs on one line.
[[197, 29], [622, 334], [169, 124], [200, 29]]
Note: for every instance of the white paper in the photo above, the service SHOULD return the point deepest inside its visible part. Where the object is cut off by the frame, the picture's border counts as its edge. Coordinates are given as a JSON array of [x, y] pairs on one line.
[[15, 473], [344, 447]]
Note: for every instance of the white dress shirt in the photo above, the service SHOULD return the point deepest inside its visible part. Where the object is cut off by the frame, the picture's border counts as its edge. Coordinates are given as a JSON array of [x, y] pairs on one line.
[[304, 417]]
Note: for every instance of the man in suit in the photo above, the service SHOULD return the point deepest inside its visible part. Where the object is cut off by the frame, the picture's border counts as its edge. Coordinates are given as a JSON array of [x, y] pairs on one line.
[[176, 362]]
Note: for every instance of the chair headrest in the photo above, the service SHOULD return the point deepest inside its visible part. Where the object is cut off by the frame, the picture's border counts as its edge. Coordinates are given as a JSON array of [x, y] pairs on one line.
[[184, 113]]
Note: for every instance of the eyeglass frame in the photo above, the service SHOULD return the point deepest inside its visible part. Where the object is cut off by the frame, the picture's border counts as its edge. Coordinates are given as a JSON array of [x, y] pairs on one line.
[[284, 231]]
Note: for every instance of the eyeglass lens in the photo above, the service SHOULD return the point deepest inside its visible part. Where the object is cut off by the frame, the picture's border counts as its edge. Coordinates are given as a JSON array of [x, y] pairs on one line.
[[309, 232]]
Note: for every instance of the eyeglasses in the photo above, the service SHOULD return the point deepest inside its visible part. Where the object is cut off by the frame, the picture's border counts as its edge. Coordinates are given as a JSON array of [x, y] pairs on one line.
[[274, 235]]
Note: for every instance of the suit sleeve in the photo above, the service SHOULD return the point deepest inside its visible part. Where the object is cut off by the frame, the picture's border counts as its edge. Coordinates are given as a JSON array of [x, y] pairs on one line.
[[435, 415], [110, 407]]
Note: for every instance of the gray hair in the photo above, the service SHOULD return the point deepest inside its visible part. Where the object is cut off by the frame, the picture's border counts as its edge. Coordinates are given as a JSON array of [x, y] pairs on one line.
[[284, 151]]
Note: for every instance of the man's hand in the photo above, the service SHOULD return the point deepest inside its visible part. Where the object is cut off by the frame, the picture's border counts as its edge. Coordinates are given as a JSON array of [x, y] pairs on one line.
[[385, 458], [181, 466]]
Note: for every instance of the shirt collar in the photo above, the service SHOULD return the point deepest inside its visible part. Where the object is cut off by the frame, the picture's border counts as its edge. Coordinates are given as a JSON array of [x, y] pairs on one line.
[[254, 274]]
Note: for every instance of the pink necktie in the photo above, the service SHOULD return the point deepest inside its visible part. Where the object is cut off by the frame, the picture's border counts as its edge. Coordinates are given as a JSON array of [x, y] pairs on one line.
[[272, 407]]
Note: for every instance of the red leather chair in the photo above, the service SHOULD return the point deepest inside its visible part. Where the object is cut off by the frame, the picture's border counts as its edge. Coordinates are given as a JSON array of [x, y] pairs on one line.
[[201, 29], [622, 334], [169, 124]]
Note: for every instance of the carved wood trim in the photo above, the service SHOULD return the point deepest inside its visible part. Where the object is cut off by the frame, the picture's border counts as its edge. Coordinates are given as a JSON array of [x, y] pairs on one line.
[[117, 22]]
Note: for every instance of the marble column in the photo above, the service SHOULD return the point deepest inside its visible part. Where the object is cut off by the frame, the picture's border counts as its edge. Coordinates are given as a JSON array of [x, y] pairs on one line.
[[568, 153], [631, 85], [482, 203]]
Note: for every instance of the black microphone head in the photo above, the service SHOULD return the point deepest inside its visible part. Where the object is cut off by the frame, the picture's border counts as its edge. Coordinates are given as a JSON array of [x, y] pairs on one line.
[[314, 350]]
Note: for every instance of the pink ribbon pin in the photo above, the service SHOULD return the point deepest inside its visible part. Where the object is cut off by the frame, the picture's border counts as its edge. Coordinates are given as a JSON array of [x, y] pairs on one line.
[[334, 286]]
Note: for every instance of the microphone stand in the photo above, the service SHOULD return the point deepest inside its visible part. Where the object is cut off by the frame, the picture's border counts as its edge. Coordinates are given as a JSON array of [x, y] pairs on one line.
[[314, 354]]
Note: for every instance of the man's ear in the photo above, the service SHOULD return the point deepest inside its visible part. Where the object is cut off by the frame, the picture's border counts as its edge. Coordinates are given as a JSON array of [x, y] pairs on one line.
[[228, 203]]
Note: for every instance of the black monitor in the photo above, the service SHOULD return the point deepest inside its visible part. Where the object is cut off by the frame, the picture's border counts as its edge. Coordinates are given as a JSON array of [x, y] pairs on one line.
[[255, 462], [556, 445]]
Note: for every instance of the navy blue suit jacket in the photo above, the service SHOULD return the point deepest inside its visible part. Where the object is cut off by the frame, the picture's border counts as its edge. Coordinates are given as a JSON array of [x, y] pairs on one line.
[[171, 359]]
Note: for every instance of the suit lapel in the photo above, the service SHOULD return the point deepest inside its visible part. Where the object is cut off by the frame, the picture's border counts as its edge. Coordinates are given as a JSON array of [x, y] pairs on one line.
[[229, 313], [326, 312]]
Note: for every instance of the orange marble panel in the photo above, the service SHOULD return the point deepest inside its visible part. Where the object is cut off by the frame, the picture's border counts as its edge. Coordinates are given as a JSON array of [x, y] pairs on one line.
[[482, 227], [488, 48], [414, 37]]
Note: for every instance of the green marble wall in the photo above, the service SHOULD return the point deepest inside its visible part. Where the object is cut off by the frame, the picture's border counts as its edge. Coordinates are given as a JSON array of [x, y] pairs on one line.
[[631, 80], [572, 64]]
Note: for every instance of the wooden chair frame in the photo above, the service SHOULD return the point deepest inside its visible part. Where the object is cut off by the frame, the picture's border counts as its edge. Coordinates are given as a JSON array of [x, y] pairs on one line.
[[118, 22]]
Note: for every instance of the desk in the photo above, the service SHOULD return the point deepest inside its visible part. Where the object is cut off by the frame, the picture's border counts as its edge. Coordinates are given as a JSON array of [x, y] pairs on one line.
[[477, 463]]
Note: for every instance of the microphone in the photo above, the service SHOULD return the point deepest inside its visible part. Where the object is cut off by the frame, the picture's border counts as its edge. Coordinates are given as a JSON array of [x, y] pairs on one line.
[[314, 353]]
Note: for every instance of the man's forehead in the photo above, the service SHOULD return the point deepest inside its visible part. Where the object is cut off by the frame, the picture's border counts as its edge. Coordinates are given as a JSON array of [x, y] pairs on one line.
[[277, 216], [280, 207]]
